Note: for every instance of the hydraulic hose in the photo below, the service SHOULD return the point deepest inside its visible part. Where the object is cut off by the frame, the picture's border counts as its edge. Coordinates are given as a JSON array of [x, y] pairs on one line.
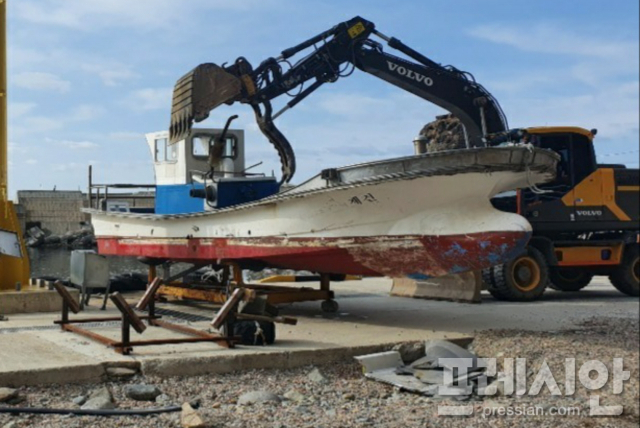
[[81, 412]]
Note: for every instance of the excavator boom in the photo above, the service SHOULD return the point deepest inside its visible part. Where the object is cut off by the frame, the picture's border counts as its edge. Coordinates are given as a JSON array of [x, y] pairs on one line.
[[336, 53]]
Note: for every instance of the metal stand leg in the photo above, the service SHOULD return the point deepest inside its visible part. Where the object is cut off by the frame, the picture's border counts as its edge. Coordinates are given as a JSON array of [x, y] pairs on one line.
[[126, 336], [107, 291], [329, 305]]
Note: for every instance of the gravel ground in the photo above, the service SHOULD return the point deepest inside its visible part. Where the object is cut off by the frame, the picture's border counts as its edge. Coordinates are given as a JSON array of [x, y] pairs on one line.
[[346, 399]]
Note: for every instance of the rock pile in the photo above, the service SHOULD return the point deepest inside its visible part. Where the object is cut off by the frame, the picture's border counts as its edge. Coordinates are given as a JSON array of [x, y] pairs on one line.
[[444, 133], [73, 240]]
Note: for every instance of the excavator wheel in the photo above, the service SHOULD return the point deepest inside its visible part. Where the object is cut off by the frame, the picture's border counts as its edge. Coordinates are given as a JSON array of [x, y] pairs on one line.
[[569, 279], [487, 278], [626, 277], [523, 279]]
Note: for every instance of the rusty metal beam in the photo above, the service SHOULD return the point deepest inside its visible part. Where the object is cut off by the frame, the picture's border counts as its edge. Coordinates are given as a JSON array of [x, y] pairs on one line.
[[149, 294], [89, 334], [281, 320], [206, 295], [170, 341], [67, 297], [227, 308], [127, 312], [97, 320]]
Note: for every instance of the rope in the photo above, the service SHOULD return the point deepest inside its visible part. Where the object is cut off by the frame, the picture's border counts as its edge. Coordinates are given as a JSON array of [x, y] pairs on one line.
[[259, 334]]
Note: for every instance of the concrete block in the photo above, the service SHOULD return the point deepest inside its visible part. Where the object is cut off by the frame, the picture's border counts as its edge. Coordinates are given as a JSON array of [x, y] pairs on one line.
[[463, 287], [32, 299]]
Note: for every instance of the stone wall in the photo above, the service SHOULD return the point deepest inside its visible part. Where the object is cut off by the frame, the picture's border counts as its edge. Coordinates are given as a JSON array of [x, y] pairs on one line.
[[58, 211]]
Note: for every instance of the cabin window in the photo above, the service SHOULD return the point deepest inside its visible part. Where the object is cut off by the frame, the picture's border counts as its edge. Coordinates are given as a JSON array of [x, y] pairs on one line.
[[172, 152], [165, 152], [161, 150], [200, 146]]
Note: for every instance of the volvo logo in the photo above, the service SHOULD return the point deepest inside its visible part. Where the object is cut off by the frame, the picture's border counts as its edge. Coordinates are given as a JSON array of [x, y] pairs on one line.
[[410, 73]]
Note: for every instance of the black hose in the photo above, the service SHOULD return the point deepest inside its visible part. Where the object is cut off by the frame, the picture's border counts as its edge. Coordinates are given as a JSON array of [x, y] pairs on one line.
[[81, 412]]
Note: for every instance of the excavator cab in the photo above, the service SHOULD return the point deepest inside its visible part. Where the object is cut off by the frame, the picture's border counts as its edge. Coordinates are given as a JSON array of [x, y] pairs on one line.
[[585, 196]]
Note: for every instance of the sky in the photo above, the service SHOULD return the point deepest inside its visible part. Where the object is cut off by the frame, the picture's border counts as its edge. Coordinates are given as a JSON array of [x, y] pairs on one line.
[[87, 79]]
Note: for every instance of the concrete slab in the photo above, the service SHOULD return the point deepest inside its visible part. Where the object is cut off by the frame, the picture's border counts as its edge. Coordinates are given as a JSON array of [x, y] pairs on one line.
[[32, 299], [465, 287], [33, 351]]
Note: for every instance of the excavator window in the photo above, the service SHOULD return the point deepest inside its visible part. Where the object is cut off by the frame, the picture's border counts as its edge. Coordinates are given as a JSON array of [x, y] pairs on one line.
[[584, 162]]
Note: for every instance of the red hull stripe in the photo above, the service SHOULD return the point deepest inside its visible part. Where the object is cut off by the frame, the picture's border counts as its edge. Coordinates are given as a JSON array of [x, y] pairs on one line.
[[393, 256]]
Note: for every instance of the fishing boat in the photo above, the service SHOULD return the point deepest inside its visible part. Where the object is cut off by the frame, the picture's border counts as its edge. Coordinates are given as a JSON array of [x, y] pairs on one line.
[[418, 216]]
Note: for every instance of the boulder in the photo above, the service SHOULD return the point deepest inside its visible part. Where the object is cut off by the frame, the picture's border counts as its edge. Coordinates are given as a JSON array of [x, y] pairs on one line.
[[190, 418], [98, 403], [8, 394], [317, 377], [142, 392], [120, 372], [255, 397]]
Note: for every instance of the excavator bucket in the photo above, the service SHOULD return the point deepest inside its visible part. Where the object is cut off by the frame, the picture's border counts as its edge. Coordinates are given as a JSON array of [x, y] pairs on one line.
[[197, 93]]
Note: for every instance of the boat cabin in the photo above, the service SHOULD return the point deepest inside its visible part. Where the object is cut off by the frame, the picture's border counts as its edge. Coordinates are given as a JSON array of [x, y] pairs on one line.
[[191, 178]]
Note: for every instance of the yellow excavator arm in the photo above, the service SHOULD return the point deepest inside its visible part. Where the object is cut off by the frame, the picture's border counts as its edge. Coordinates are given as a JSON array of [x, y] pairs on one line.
[[14, 261]]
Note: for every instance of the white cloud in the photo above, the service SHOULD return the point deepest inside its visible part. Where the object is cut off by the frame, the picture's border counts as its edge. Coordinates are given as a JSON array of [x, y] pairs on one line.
[[126, 136], [41, 82], [143, 14], [545, 38], [31, 162], [17, 110], [40, 124], [349, 104], [69, 166], [150, 99], [82, 145], [85, 112], [111, 73]]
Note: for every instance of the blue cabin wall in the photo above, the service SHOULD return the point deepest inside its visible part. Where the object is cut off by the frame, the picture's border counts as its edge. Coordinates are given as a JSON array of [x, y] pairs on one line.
[[175, 199]]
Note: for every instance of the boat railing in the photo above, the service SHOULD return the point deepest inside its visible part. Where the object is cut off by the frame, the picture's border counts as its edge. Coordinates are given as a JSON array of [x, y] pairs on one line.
[[99, 195]]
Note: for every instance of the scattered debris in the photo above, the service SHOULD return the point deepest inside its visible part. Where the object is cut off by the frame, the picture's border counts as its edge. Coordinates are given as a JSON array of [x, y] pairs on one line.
[[410, 351], [295, 396], [142, 392], [425, 375], [316, 376], [190, 418], [79, 400], [78, 239], [163, 400], [120, 372], [8, 394], [255, 397], [98, 403], [444, 133]]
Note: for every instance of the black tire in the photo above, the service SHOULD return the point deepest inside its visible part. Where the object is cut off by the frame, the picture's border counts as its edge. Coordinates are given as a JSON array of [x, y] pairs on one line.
[[487, 278], [626, 277], [523, 279], [246, 330], [569, 279]]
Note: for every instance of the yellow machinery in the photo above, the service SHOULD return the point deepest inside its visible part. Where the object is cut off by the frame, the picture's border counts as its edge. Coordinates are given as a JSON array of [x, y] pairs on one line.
[[14, 261]]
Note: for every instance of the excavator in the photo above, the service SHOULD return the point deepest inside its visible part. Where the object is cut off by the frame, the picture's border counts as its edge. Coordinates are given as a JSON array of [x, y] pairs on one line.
[[585, 222], [342, 49]]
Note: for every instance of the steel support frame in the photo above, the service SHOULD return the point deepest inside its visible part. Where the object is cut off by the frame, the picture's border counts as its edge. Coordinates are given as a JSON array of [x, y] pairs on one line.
[[125, 344]]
